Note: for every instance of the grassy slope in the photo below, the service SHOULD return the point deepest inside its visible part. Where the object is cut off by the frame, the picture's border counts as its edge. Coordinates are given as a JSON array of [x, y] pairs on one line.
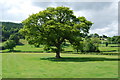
[[32, 65]]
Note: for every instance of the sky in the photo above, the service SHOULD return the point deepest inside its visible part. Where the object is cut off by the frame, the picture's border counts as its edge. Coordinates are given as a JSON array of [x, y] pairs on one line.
[[104, 14]]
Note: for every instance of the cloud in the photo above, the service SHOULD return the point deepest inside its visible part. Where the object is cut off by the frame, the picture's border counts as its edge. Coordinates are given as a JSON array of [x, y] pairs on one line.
[[110, 30], [18, 10], [106, 19], [76, 6]]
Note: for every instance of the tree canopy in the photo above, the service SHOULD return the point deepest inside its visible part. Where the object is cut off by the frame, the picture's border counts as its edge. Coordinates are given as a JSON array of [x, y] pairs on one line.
[[53, 26]]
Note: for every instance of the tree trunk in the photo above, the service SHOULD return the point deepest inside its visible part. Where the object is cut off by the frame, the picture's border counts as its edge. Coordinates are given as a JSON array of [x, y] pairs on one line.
[[57, 55], [58, 51]]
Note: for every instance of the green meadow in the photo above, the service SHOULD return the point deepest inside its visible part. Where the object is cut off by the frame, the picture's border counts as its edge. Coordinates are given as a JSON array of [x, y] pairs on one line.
[[28, 61], [44, 65]]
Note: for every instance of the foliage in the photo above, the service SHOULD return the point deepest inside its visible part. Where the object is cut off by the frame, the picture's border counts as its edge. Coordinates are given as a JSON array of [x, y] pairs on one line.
[[114, 39], [118, 39], [104, 36], [9, 44], [88, 45], [5, 34], [96, 41], [9, 28], [14, 37], [78, 46], [9, 25], [54, 26], [91, 45], [93, 35]]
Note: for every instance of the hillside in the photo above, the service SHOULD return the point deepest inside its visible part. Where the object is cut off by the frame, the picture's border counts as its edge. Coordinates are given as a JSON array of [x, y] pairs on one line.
[[10, 25], [8, 29]]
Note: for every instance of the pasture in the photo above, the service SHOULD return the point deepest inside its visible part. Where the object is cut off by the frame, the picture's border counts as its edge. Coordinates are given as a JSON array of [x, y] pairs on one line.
[[43, 65], [28, 61]]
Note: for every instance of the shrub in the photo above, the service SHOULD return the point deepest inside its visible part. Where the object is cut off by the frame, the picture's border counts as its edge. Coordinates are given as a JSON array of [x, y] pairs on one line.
[[9, 44], [90, 45]]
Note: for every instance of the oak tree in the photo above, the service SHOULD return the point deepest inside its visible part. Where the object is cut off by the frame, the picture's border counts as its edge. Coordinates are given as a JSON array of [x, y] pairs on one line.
[[53, 26]]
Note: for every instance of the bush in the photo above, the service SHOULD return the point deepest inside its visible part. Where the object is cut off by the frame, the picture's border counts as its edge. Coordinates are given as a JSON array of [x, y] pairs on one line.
[[9, 44], [90, 45]]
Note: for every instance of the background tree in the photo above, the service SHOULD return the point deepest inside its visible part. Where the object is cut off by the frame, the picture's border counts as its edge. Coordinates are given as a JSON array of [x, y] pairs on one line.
[[9, 44], [91, 45], [104, 36], [96, 35], [114, 39], [78, 45], [109, 39], [92, 35], [5, 33], [118, 39], [8, 29], [54, 26], [14, 37]]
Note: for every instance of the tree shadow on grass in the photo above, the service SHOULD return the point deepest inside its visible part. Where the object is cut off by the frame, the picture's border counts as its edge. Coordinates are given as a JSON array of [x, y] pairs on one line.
[[109, 51], [79, 59], [12, 51], [19, 51]]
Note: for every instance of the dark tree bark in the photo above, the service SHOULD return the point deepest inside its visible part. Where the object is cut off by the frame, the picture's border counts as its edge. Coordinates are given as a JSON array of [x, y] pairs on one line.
[[57, 55], [58, 46], [58, 50]]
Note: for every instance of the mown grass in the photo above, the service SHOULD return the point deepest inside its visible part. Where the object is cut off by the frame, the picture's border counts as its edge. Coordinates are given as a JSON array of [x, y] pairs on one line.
[[111, 48], [109, 45], [44, 65]]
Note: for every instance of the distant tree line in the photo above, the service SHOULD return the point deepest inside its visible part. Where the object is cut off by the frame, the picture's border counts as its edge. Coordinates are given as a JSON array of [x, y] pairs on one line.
[[10, 34], [114, 39], [110, 40]]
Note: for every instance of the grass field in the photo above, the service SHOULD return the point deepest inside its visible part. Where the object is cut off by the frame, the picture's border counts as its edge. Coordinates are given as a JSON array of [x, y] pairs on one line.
[[43, 65], [28, 61], [31, 48]]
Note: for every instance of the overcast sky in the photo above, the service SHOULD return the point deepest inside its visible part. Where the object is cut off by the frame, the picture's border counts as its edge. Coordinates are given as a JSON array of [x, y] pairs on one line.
[[104, 15]]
